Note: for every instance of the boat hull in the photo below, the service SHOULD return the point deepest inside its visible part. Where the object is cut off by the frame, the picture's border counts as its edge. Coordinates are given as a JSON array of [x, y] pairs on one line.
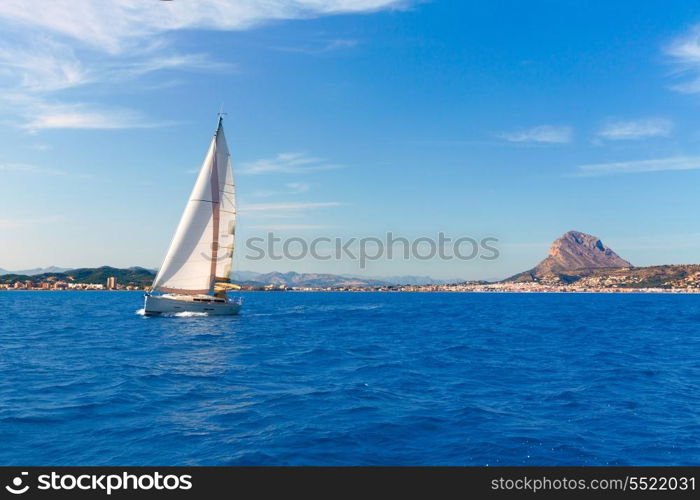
[[156, 305]]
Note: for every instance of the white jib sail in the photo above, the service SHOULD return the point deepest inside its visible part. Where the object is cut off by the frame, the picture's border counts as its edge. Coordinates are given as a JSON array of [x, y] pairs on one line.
[[202, 249]]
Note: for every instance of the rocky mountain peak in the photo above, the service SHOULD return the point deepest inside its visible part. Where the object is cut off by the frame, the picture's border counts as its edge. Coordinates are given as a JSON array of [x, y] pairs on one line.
[[577, 250]]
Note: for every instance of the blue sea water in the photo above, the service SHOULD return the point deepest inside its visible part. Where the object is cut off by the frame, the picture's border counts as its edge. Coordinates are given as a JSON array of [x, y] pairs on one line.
[[352, 379]]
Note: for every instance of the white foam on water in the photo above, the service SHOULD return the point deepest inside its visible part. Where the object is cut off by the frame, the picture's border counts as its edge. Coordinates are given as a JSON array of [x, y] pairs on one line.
[[183, 314], [189, 314]]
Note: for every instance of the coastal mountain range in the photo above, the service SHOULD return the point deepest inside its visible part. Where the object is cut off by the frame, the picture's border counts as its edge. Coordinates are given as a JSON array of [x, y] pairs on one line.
[[36, 271], [330, 280], [312, 280], [143, 277]]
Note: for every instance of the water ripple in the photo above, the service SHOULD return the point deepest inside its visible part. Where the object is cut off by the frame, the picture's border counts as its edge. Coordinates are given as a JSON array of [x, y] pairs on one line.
[[358, 379]]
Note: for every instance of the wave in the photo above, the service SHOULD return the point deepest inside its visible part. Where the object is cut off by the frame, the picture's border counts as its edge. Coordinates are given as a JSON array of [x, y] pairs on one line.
[[188, 314], [183, 314]]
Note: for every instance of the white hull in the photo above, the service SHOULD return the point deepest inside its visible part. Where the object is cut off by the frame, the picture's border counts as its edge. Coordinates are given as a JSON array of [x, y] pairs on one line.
[[170, 304]]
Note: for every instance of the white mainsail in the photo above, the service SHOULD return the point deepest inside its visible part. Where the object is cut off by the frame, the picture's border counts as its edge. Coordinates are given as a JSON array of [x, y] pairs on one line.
[[201, 252]]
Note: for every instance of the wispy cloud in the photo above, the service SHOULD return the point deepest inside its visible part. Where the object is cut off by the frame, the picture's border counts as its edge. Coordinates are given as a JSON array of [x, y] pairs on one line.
[[262, 193], [298, 187], [284, 210], [31, 80], [291, 188], [291, 227], [322, 46], [181, 62], [29, 169], [41, 65], [291, 206], [639, 166], [684, 51], [83, 116], [23, 168], [63, 44], [115, 25], [286, 163], [547, 134], [636, 129]]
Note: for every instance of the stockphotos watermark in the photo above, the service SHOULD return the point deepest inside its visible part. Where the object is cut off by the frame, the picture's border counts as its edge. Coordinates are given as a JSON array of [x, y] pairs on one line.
[[371, 248], [105, 483]]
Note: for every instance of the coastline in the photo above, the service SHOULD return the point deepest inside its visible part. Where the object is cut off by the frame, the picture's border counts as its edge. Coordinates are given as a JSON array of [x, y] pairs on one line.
[[675, 291]]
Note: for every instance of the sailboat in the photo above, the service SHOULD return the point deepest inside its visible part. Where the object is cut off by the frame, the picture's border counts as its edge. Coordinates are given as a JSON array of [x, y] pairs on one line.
[[195, 275]]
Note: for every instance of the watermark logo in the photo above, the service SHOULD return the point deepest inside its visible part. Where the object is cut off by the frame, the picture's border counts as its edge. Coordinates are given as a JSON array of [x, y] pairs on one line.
[[106, 483], [16, 488], [363, 250], [113, 482]]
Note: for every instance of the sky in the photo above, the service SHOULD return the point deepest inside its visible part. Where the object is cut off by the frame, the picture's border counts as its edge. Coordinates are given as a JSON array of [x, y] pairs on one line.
[[511, 120]]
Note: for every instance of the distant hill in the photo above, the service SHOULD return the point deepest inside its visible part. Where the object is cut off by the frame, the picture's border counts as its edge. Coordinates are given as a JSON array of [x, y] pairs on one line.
[[411, 280], [35, 271], [668, 276], [584, 261], [141, 276], [572, 251], [237, 276], [292, 279], [133, 276], [313, 280]]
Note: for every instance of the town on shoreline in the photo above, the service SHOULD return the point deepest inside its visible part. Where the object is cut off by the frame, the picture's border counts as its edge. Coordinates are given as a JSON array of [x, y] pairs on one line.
[[111, 284]]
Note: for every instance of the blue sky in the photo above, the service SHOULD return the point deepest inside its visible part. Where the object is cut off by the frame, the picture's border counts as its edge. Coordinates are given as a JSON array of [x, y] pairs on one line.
[[517, 120]]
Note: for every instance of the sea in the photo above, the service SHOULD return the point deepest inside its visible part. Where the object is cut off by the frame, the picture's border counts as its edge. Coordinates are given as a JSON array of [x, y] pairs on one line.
[[352, 378]]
